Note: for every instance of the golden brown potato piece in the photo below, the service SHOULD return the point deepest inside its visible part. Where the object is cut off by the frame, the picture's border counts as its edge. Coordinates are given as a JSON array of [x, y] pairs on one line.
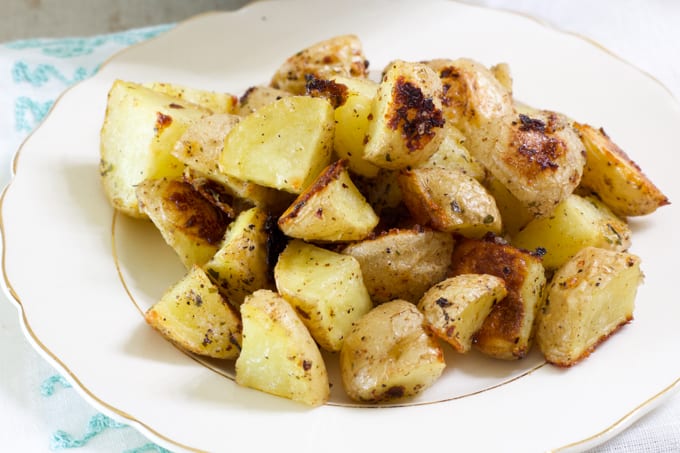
[[325, 288], [283, 145], [140, 129], [615, 178], [193, 315], [450, 201], [507, 332], [535, 154], [402, 264], [456, 308], [241, 265], [338, 56], [406, 122], [330, 209], [588, 299], [389, 355], [577, 222], [351, 123], [278, 355], [188, 222]]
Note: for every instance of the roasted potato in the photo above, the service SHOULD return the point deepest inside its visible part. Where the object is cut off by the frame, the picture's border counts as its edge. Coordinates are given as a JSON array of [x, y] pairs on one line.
[[188, 222], [507, 332], [577, 222], [450, 201], [283, 145], [615, 178], [406, 123], [278, 354], [326, 289], [537, 156], [140, 129], [330, 209], [402, 264], [241, 265], [211, 100], [389, 355], [351, 123], [588, 299], [338, 56], [456, 308], [193, 315], [434, 205]]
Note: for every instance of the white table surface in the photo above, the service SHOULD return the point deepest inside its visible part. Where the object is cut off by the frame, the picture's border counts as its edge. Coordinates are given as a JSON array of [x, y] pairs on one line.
[[645, 33]]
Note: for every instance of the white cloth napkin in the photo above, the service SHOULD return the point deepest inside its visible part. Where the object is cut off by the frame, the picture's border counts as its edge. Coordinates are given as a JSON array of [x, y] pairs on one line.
[[39, 413]]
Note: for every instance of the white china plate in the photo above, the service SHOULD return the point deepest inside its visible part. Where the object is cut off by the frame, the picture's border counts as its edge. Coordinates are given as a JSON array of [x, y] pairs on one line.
[[81, 276]]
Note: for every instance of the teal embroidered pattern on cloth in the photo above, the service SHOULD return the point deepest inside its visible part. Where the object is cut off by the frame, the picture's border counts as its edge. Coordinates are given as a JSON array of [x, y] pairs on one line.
[[33, 74], [39, 70], [97, 424]]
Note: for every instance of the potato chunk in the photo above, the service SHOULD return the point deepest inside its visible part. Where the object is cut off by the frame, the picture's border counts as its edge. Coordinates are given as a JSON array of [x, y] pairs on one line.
[[338, 56], [351, 124], [193, 315], [188, 222], [589, 298], [576, 223], [535, 154], [330, 209], [241, 265], [406, 122], [450, 201], [325, 288], [615, 178], [278, 354], [140, 129], [389, 355], [283, 145], [402, 264], [507, 332], [456, 308]]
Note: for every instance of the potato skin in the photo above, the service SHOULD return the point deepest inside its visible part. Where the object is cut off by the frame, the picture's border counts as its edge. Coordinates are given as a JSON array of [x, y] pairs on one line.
[[536, 154], [406, 123], [330, 209], [389, 355], [456, 308], [449, 200], [615, 178], [338, 56], [507, 333], [188, 222], [402, 263]]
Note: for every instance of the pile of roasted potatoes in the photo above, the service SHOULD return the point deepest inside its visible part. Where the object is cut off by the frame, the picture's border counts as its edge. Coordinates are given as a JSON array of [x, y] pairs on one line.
[[379, 220]]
